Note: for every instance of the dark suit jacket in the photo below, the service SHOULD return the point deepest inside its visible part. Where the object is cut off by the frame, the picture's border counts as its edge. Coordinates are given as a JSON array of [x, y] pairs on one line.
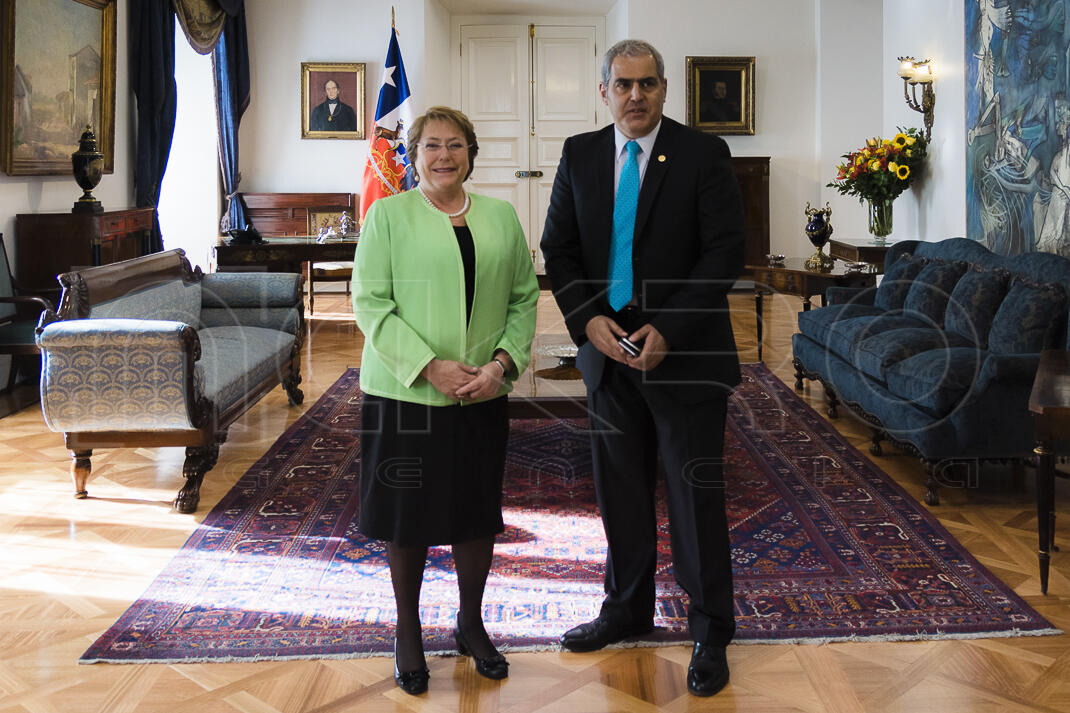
[[686, 255], [345, 119]]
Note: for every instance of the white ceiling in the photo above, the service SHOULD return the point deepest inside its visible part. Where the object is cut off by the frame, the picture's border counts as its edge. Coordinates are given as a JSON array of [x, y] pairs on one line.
[[528, 7]]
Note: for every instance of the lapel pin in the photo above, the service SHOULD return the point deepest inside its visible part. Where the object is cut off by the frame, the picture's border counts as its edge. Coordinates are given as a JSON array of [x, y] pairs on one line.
[[661, 158]]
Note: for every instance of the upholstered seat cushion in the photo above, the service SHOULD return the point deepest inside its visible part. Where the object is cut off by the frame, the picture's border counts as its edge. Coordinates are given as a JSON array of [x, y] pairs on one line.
[[816, 323], [929, 292], [844, 336], [936, 380], [235, 359], [1030, 319], [974, 301], [874, 355]]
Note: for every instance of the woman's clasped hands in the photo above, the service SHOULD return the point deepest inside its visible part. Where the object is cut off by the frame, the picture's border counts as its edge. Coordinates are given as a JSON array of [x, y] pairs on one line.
[[464, 382]]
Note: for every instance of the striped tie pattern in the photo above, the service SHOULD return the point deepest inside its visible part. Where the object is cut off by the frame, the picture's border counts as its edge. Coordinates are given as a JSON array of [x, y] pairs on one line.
[[620, 249]]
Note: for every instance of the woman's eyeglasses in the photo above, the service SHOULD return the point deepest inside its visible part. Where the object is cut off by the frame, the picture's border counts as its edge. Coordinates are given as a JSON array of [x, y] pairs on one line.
[[434, 148]]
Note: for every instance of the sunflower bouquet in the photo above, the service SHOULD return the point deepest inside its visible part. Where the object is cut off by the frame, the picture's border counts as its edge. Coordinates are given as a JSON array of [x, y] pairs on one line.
[[883, 168]]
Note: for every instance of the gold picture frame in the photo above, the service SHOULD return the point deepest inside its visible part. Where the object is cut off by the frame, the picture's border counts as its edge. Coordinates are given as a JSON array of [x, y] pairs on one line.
[[54, 83], [346, 121], [720, 95]]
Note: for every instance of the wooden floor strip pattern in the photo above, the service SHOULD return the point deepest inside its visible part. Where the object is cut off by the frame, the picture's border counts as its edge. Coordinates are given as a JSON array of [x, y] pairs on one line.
[[70, 568]]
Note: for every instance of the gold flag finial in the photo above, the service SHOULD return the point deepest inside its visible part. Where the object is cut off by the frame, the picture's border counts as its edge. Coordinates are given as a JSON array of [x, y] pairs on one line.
[[392, 27]]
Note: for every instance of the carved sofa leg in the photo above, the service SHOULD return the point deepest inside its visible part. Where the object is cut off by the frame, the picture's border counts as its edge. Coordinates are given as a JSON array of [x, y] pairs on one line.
[[799, 373], [199, 460], [875, 447], [932, 482], [833, 402], [290, 384], [80, 468]]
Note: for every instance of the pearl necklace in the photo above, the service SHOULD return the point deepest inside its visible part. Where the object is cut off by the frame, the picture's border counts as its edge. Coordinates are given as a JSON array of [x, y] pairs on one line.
[[467, 203]]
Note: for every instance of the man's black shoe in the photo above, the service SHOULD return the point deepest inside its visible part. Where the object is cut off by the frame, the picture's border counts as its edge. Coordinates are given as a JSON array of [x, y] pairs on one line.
[[600, 633], [708, 672]]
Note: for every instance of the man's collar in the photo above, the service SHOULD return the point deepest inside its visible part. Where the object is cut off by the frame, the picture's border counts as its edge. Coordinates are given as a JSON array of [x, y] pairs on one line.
[[646, 143]]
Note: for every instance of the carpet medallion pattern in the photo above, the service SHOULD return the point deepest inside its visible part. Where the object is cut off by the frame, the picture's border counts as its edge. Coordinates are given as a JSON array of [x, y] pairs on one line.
[[824, 545]]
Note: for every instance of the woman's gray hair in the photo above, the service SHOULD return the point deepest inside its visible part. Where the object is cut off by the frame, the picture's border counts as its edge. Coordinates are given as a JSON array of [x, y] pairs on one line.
[[631, 48]]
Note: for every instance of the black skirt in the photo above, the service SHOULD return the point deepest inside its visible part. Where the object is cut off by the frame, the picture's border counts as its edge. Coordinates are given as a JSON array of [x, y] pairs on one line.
[[431, 475]]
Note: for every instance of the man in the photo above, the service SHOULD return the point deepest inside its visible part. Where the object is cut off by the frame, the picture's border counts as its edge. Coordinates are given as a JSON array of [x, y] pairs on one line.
[[332, 114], [646, 248]]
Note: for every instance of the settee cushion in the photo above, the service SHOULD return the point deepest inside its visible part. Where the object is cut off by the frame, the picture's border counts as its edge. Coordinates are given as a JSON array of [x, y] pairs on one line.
[[937, 379], [171, 300], [898, 277], [844, 336], [1028, 320], [874, 355], [974, 302], [235, 359], [815, 323], [929, 293]]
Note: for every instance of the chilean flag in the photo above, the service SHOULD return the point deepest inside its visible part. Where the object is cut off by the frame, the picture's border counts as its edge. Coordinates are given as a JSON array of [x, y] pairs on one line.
[[388, 170]]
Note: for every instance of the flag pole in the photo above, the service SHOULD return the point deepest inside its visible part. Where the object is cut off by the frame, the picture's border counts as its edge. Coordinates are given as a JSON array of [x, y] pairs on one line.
[[392, 27]]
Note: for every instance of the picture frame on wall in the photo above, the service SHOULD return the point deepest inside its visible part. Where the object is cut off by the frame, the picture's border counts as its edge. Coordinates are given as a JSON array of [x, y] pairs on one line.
[[332, 100], [53, 84], [720, 95]]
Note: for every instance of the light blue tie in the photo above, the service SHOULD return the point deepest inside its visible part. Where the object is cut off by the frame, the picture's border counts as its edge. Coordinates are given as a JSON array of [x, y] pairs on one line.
[[620, 250]]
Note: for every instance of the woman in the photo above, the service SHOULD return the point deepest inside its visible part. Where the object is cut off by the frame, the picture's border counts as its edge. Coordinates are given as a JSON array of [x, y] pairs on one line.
[[445, 294]]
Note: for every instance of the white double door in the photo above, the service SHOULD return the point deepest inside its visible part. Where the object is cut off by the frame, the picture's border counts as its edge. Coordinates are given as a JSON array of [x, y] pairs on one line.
[[526, 88]]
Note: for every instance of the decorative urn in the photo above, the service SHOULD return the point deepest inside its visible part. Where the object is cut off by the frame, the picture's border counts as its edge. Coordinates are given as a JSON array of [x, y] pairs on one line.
[[819, 230], [88, 164]]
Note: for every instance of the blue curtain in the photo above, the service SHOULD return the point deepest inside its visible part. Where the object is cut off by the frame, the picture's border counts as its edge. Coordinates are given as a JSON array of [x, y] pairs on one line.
[[152, 77], [230, 66]]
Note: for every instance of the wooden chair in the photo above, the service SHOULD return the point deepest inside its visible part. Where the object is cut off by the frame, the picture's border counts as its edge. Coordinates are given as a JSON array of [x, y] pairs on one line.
[[16, 335]]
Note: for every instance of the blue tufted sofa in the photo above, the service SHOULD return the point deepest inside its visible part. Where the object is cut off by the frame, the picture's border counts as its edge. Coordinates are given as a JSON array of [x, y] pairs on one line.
[[940, 357], [148, 352]]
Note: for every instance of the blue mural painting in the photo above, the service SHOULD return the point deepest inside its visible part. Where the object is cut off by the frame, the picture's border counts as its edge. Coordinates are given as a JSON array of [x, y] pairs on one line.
[[1017, 119]]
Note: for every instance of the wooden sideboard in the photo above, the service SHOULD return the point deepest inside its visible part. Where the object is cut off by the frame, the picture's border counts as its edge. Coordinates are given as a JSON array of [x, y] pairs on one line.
[[287, 213], [752, 172], [48, 244]]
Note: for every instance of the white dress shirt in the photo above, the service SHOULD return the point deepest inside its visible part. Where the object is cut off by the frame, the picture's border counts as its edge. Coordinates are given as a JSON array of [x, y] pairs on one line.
[[646, 145]]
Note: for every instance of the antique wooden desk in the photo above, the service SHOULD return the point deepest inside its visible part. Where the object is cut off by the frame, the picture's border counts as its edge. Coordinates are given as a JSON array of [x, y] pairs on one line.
[[1050, 404], [792, 277], [289, 254]]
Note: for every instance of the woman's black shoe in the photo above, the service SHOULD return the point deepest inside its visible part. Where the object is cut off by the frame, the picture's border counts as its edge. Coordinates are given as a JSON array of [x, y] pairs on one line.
[[412, 682], [494, 667]]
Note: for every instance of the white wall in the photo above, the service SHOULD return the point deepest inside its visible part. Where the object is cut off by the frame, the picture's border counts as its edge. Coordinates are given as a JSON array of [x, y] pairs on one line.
[[935, 208], [43, 194], [283, 34]]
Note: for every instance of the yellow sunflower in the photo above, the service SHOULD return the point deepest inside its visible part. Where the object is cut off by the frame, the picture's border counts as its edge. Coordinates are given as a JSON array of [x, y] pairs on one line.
[[901, 140], [902, 172]]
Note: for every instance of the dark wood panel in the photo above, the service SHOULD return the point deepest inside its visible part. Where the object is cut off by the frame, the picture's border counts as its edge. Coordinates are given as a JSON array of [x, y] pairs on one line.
[[752, 172], [287, 213]]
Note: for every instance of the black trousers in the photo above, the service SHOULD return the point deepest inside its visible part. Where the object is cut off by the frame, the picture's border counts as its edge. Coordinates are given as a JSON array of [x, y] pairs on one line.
[[632, 421]]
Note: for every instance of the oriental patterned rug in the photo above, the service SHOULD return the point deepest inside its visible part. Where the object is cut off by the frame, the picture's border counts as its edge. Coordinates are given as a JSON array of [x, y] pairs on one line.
[[825, 547]]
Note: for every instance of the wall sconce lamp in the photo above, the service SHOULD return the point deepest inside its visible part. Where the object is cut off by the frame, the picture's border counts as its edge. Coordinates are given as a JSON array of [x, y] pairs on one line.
[[914, 73]]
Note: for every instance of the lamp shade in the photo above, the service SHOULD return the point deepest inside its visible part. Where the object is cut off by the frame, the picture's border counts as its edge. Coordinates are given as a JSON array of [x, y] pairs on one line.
[[906, 67]]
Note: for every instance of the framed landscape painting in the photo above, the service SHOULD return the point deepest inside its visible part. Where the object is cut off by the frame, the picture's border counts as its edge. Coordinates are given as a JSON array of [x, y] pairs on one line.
[[57, 75]]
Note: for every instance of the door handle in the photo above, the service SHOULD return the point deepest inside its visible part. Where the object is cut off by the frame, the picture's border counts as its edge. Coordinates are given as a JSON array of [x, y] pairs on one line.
[[529, 174]]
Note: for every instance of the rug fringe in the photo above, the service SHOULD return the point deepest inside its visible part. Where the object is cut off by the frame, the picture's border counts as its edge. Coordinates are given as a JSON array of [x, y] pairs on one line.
[[534, 648]]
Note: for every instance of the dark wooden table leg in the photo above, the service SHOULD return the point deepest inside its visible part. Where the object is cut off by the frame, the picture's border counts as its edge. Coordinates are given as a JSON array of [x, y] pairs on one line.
[[1045, 508], [758, 319], [806, 303]]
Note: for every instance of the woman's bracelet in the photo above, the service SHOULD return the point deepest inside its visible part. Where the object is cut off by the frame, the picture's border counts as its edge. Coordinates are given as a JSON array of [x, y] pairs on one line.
[[499, 362]]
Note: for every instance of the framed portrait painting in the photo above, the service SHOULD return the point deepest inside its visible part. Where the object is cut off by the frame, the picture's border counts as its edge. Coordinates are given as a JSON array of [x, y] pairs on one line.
[[332, 100], [57, 75], [720, 94]]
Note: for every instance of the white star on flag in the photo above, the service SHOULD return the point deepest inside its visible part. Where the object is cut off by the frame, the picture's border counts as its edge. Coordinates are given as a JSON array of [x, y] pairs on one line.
[[388, 76], [399, 159]]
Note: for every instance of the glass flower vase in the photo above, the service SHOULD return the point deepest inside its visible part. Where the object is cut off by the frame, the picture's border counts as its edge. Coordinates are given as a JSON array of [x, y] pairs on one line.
[[880, 218]]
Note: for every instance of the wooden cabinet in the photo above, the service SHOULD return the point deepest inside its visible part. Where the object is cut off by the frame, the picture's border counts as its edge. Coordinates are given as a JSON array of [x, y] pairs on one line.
[[752, 172], [48, 244]]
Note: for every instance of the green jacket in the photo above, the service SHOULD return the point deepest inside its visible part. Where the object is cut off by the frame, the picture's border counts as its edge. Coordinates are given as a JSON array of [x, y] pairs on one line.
[[409, 301]]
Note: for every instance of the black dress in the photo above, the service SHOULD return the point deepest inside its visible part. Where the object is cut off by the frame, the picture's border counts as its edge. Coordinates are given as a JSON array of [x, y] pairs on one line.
[[432, 475]]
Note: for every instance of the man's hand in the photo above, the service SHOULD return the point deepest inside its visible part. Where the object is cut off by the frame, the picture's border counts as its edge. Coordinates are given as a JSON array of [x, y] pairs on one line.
[[654, 348], [450, 377], [603, 333], [488, 381]]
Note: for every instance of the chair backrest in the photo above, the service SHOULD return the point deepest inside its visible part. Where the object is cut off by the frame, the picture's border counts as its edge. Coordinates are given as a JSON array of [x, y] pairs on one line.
[[7, 285]]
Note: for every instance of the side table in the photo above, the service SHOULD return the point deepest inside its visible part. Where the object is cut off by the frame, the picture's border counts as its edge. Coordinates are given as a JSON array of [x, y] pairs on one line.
[[1050, 404], [865, 250], [792, 277]]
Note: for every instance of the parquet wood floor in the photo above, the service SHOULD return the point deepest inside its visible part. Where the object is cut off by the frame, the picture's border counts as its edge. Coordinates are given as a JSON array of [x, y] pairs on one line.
[[69, 568]]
